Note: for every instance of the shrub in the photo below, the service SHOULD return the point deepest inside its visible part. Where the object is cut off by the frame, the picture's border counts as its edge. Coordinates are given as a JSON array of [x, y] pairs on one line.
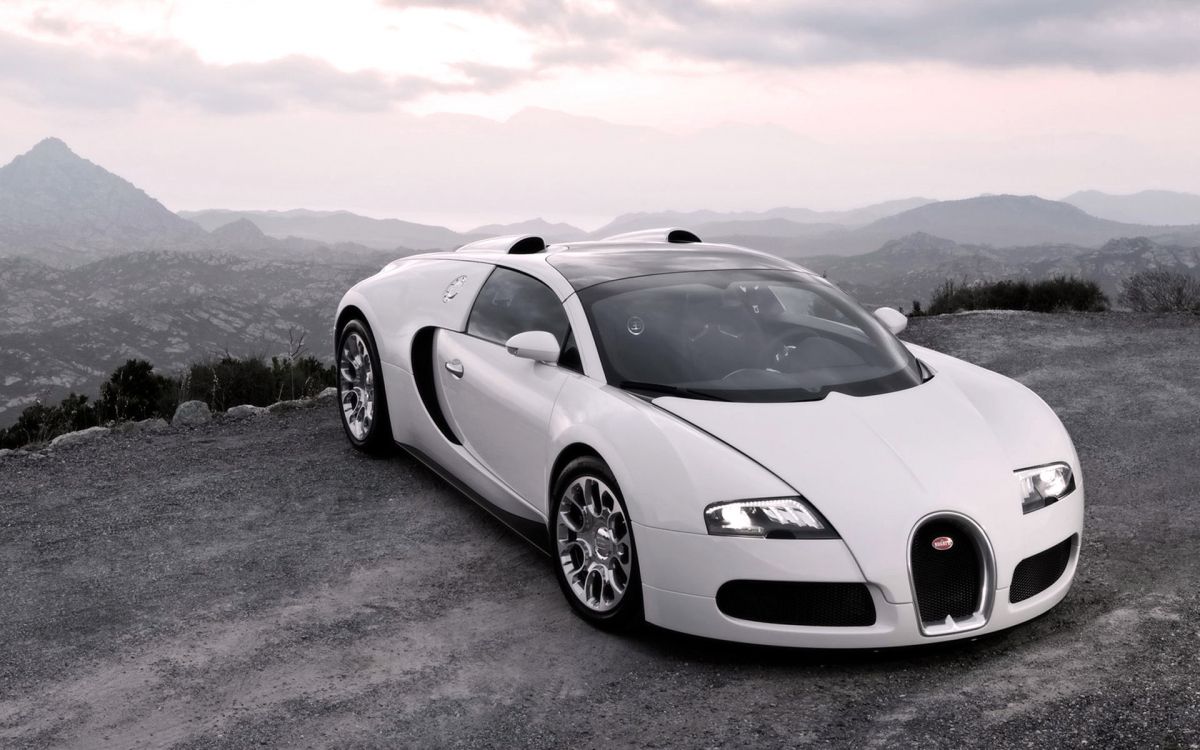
[[134, 392], [1061, 293], [230, 381], [298, 377], [41, 423], [1159, 290]]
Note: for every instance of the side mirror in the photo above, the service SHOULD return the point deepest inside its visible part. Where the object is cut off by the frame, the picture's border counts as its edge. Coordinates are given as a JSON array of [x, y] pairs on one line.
[[540, 346], [892, 319]]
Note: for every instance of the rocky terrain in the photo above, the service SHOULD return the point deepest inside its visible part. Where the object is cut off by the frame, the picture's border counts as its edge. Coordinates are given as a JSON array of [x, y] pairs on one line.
[[256, 582], [67, 329]]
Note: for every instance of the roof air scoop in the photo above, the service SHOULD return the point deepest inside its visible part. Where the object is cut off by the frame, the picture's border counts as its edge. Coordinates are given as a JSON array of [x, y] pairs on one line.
[[513, 244], [674, 235]]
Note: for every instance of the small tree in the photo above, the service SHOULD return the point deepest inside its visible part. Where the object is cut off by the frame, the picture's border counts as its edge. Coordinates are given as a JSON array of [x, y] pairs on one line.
[[1160, 290], [133, 392]]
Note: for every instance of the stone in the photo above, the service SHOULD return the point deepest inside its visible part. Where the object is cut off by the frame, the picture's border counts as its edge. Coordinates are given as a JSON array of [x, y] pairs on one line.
[[280, 406], [327, 395], [81, 436], [156, 424], [245, 410], [191, 414]]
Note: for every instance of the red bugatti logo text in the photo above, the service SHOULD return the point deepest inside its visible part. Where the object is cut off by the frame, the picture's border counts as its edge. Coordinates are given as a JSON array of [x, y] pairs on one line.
[[942, 543]]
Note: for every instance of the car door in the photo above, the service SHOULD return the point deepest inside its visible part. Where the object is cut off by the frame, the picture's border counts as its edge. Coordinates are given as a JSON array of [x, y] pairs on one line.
[[499, 405]]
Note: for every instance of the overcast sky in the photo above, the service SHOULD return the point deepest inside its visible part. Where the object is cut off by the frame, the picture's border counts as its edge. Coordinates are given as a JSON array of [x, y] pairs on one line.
[[466, 112]]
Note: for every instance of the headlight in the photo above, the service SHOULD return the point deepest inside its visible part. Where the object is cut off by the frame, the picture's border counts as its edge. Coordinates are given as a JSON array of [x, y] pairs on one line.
[[773, 518], [1043, 485]]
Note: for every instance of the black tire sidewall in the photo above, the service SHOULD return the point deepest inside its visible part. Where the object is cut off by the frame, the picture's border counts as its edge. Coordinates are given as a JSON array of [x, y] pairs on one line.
[[379, 437], [628, 614]]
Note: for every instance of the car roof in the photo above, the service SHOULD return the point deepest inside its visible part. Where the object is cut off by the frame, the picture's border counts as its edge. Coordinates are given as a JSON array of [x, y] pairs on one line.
[[585, 264], [572, 266]]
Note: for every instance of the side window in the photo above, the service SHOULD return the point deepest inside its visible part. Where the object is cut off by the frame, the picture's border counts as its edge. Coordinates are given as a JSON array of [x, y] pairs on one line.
[[510, 303]]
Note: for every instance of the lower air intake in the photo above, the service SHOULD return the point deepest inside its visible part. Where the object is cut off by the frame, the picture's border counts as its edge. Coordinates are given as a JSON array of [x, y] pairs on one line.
[[947, 571], [827, 605], [1041, 571]]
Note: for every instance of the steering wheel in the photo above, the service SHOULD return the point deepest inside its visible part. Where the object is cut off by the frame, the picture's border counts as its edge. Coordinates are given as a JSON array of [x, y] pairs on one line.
[[782, 345]]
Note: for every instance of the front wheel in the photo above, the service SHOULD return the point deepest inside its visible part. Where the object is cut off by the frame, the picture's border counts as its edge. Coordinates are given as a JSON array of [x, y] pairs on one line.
[[595, 558], [361, 394]]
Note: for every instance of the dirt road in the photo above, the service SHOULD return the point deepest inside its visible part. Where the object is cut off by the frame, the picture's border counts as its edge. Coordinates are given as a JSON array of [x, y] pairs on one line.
[[259, 583]]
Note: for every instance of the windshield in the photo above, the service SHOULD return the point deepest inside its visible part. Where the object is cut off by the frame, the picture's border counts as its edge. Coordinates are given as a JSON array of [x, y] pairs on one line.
[[743, 336]]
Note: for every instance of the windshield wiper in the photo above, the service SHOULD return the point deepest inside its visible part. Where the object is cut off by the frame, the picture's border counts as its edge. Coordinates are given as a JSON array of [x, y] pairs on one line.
[[667, 390]]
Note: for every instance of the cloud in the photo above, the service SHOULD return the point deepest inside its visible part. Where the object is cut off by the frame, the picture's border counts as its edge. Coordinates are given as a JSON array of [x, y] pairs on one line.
[[1087, 34], [70, 75]]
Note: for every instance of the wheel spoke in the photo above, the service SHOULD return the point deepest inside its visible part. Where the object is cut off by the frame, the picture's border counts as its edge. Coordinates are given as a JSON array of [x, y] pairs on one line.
[[357, 384], [594, 545]]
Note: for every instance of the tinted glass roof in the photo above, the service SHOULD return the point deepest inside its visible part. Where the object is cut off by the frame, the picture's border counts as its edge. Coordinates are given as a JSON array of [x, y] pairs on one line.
[[586, 265]]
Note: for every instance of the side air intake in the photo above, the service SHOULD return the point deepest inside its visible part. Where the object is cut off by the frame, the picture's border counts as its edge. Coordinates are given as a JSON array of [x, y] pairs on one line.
[[515, 244], [673, 235]]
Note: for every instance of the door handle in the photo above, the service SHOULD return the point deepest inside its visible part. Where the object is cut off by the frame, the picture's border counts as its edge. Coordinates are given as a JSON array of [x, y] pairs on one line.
[[455, 368]]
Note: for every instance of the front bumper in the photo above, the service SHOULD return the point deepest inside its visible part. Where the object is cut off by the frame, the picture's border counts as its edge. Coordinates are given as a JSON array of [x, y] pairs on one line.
[[681, 573]]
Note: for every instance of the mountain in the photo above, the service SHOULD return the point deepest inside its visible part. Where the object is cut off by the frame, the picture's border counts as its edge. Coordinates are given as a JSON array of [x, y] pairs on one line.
[[853, 217], [539, 227], [1146, 207], [912, 267], [63, 209], [726, 221], [996, 220], [66, 329], [336, 227]]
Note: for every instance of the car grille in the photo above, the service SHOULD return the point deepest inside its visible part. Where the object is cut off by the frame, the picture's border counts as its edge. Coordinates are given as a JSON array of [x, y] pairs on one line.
[[830, 605], [946, 583], [1037, 573]]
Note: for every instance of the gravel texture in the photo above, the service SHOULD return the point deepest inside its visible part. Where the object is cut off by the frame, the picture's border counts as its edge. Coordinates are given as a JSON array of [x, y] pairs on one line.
[[256, 582]]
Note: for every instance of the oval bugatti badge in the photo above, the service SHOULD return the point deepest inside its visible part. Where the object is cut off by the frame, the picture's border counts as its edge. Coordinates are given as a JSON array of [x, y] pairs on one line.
[[452, 290], [942, 543]]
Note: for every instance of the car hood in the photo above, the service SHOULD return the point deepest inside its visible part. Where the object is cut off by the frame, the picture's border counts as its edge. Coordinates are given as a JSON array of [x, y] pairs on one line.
[[874, 466]]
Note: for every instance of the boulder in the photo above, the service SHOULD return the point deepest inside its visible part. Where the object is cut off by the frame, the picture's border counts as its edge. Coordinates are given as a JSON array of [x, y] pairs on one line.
[[191, 414], [245, 410], [145, 425], [75, 438], [327, 395], [280, 406]]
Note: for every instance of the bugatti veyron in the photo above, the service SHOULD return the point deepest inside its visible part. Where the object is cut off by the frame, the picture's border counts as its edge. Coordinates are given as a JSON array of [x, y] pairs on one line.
[[715, 440]]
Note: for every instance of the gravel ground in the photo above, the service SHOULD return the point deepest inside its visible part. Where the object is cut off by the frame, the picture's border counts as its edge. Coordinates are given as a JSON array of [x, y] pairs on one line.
[[259, 583]]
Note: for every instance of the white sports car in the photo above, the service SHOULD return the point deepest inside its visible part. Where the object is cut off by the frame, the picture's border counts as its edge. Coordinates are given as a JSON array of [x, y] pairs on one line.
[[716, 441]]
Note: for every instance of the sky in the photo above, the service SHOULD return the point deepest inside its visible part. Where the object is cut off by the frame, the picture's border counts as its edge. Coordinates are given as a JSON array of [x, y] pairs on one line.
[[476, 111]]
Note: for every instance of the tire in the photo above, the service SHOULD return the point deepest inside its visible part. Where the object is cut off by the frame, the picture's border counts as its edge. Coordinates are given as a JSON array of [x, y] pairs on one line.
[[594, 555], [361, 396]]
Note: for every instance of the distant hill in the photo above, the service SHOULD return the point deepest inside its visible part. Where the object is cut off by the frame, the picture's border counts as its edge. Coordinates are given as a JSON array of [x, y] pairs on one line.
[[727, 221], [539, 227], [1146, 207], [853, 217], [335, 227], [912, 267], [63, 209]]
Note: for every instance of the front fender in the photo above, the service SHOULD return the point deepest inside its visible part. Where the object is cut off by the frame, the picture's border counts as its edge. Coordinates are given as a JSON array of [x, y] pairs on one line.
[[668, 470]]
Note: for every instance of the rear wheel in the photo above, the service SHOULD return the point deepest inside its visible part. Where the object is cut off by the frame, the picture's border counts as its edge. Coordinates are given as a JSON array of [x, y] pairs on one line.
[[361, 394], [595, 559]]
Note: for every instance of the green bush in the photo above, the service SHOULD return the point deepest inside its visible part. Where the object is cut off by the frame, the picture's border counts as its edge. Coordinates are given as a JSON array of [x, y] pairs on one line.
[[41, 423], [300, 377], [1059, 294], [135, 392], [230, 381], [1160, 290]]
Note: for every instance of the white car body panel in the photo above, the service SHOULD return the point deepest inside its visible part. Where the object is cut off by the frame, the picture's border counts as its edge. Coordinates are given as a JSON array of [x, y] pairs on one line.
[[874, 466]]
